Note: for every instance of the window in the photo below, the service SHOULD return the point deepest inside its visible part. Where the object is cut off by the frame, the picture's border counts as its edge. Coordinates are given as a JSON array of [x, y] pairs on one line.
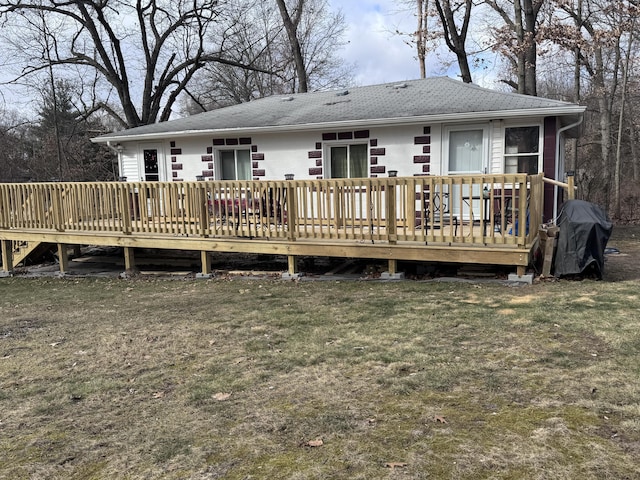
[[521, 148], [466, 151], [235, 165], [349, 161]]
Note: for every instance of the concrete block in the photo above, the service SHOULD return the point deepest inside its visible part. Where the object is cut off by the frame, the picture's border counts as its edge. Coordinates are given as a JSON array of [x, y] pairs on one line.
[[392, 276], [528, 278], [292, 276], [204, 276], [5, 274]]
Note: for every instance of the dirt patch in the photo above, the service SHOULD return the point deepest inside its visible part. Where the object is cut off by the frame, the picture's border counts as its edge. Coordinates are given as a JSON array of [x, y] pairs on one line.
[[622, 262]]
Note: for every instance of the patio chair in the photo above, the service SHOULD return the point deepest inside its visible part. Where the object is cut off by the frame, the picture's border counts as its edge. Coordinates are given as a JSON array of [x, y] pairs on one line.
[[442, 217]]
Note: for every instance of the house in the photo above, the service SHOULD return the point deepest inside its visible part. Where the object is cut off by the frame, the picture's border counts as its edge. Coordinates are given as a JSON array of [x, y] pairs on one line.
[[434, 126]]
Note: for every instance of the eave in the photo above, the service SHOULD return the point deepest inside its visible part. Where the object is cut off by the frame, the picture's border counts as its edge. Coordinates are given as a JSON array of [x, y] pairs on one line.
[[569, 114]]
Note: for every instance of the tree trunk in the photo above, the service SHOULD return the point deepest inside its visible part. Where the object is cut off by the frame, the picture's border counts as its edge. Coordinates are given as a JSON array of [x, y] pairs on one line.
[[421, 35], [456, 40], [530, 48], [291, 26]]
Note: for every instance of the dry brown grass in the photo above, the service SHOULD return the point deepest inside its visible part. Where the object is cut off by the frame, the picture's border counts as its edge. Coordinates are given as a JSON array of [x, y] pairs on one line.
[[232, 379]]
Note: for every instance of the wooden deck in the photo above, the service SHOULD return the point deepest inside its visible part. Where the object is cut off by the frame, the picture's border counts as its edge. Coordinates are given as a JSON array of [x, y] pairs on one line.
[[463, 219]]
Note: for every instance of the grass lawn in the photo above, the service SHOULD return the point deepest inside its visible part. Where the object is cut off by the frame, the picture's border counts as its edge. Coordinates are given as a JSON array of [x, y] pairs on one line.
[[238, 379]]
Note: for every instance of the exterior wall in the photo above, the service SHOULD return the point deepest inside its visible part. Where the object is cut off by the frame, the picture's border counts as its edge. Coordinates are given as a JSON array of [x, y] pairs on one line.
[[410, 150]]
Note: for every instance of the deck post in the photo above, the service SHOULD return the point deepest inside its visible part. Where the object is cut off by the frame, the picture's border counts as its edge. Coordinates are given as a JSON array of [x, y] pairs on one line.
[[571, 194], [129, 259], [391, 213], [205, 260], [56, 201], [125, 210], [7, 258], [292, 265], [63, 258], [291, 210], [393, 266], [204, 210]]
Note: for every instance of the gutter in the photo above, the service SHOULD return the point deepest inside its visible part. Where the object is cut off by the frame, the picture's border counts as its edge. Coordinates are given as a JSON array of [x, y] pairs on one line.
[[557, 173]]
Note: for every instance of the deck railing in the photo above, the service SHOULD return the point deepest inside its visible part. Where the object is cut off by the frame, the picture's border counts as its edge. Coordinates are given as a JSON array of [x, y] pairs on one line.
[[469, 209]]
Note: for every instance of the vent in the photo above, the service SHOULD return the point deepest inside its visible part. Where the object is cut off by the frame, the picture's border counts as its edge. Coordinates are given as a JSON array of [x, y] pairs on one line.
[[400, 85], [342, 94], [287, 99]]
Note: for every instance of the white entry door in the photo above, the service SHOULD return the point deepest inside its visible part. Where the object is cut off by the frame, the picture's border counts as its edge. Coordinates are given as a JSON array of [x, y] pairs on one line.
[[151, 163], [467, 154]]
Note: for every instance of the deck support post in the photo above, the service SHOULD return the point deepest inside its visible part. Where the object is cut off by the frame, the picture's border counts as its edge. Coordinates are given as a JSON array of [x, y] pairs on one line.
[[63, 258], [205, 260], [7, 258], [292, 268], [129, 259], [393, 267], [292, 264], [392, 272], [521, 270]]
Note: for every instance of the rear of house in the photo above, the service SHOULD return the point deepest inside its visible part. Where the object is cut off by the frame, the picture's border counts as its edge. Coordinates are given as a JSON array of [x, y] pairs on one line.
[[435, 126]]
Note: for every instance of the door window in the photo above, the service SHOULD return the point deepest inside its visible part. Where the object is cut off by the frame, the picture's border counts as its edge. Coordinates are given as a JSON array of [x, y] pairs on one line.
[[151, 172], [466, 151]]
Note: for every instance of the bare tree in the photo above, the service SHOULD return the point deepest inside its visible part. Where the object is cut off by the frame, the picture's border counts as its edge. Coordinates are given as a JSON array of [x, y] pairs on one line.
[[517, 39], [452, 27], [601, 36], [144, 51], [254, 34], [291, 20], [456, 36], [422, 35]]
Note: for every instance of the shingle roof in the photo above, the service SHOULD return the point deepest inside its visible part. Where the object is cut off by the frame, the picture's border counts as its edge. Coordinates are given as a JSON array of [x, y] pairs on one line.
[[400, 101]]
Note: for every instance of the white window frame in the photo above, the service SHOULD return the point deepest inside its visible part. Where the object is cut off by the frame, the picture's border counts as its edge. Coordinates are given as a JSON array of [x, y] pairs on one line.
[[218, 164], [328, 161], [448, 129], [539, 153]]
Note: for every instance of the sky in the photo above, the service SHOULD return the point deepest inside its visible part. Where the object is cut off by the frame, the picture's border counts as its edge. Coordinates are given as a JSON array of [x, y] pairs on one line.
[[379, 55]]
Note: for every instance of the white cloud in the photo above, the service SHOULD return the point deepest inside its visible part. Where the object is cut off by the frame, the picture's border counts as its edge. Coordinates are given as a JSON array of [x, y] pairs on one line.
[[380, 55]]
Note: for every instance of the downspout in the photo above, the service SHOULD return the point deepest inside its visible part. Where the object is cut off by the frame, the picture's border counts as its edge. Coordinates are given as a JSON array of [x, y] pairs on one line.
[[555, 188], [117, 148]]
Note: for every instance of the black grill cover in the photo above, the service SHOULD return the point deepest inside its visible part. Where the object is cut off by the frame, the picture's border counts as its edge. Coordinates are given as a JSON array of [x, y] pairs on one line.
[[584, 232]]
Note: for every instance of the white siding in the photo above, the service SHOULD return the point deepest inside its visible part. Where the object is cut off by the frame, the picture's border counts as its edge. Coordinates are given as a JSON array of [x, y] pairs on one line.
[[496, 147], [129, 167]]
